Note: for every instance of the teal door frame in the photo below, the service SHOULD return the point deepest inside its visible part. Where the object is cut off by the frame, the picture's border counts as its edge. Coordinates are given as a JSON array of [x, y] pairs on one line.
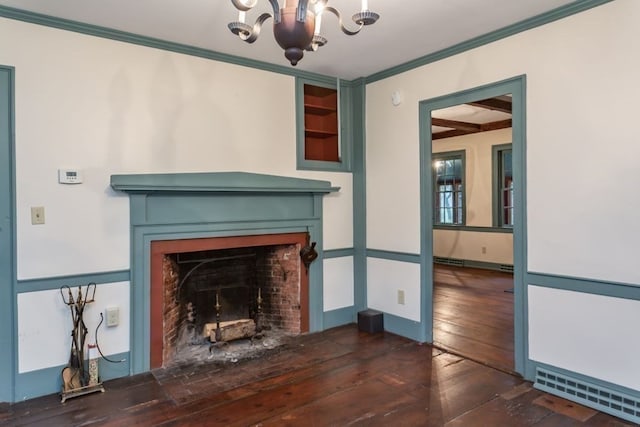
[[7, 241], [517, 88]]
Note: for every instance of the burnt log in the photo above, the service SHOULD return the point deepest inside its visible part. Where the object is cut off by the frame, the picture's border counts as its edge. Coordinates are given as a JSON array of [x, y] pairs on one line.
[[231, 330]]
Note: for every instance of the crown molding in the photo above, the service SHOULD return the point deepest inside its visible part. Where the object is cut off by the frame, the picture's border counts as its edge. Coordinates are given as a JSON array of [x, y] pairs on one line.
[[518, 27]]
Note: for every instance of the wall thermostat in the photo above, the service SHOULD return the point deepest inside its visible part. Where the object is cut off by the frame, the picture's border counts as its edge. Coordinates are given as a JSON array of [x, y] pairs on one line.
[[69, 176]]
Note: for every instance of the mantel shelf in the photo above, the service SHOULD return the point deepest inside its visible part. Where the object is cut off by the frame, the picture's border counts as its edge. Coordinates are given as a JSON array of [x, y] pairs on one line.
[[217, 182]]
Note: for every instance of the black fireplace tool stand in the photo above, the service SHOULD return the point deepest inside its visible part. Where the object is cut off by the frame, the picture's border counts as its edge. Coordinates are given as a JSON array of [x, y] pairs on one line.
[[76, 379]]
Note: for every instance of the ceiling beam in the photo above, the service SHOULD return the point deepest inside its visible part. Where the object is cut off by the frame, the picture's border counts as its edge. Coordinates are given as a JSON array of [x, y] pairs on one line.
[[495, 104], [500, 124], [449, 134], [485, 127], [455, 124]]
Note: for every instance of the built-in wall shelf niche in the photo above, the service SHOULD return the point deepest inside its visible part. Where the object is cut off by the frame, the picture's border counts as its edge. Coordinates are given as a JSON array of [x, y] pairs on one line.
[[321, 123]]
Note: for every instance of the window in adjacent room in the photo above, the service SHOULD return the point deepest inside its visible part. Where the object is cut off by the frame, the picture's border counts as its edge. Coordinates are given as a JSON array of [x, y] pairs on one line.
[[503, 185], [448, 179]]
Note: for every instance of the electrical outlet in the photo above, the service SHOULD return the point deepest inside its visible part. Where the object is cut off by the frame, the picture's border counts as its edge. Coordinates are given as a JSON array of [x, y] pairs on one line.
[[37, 215], [484, 249], [113, 316], [400, 297]]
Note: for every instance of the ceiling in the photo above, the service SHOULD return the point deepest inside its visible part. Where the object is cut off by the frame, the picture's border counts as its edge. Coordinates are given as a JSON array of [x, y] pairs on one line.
[[475, 117], [407, 29]]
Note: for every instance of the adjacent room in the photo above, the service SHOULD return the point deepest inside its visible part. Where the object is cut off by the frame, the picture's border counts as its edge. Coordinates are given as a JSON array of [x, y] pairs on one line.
[[473, 224]]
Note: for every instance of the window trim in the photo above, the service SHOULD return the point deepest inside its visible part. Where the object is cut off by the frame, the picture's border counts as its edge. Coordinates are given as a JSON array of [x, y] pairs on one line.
[[447, 155], [496, 183]]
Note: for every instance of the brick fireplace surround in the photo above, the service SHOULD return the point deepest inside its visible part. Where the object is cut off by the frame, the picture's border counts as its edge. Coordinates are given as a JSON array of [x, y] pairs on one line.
[[165, 311], [214, 208]]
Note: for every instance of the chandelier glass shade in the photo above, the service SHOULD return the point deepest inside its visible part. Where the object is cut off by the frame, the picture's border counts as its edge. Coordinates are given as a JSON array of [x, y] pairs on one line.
[[296, 24]]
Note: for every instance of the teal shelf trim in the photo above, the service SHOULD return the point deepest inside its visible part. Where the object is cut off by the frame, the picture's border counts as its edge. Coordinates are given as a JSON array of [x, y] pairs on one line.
[[218, 182], [47, 283], [527, 24], [123, 36], [345, 107]]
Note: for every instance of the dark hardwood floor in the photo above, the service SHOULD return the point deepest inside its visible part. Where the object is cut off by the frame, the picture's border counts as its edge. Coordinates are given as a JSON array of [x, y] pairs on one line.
[[339, 377], [473, 315]]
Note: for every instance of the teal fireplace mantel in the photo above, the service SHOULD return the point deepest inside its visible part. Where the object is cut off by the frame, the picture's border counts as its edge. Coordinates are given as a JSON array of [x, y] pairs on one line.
[[175, 206], [218, 182]]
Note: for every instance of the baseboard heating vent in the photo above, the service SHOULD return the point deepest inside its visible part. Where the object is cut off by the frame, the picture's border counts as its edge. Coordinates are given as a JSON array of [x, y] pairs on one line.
[[506, 268], [449, 261], [595, 396]]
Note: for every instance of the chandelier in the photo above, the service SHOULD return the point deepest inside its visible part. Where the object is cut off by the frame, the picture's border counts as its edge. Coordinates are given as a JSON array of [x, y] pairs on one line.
[[296, 24]]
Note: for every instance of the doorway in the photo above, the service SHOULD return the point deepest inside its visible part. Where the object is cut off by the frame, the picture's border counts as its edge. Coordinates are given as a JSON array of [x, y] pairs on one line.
[[516, 88], [472, 230]]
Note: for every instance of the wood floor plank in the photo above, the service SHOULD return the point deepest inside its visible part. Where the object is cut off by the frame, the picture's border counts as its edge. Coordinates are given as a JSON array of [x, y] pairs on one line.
[[338, 377], [473, 315]]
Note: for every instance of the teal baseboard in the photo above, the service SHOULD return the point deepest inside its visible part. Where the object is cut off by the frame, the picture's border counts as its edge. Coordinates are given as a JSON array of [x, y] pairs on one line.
[[394, 324], [339, 317], [507, 268], [48, 381], [404, 327]]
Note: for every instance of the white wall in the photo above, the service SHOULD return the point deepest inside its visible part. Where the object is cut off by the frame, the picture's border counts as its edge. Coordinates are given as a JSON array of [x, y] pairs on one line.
[[385, 278], [582, 172], [496, 248], [45, 325], [337, 290], [580, 150], [593, 330], [107, 107], [468, 245]]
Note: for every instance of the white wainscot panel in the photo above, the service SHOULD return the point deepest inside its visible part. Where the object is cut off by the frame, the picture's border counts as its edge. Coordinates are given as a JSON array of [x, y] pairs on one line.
[[385, 278], [338, 283], [338, 212], [45, 324], [593, 335]]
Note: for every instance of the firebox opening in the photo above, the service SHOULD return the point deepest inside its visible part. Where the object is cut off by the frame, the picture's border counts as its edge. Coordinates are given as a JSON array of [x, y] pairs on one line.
[[250, 292]]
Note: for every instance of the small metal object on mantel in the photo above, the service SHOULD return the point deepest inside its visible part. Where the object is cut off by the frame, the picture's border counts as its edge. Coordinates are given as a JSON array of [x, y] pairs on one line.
[[308, 254]]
